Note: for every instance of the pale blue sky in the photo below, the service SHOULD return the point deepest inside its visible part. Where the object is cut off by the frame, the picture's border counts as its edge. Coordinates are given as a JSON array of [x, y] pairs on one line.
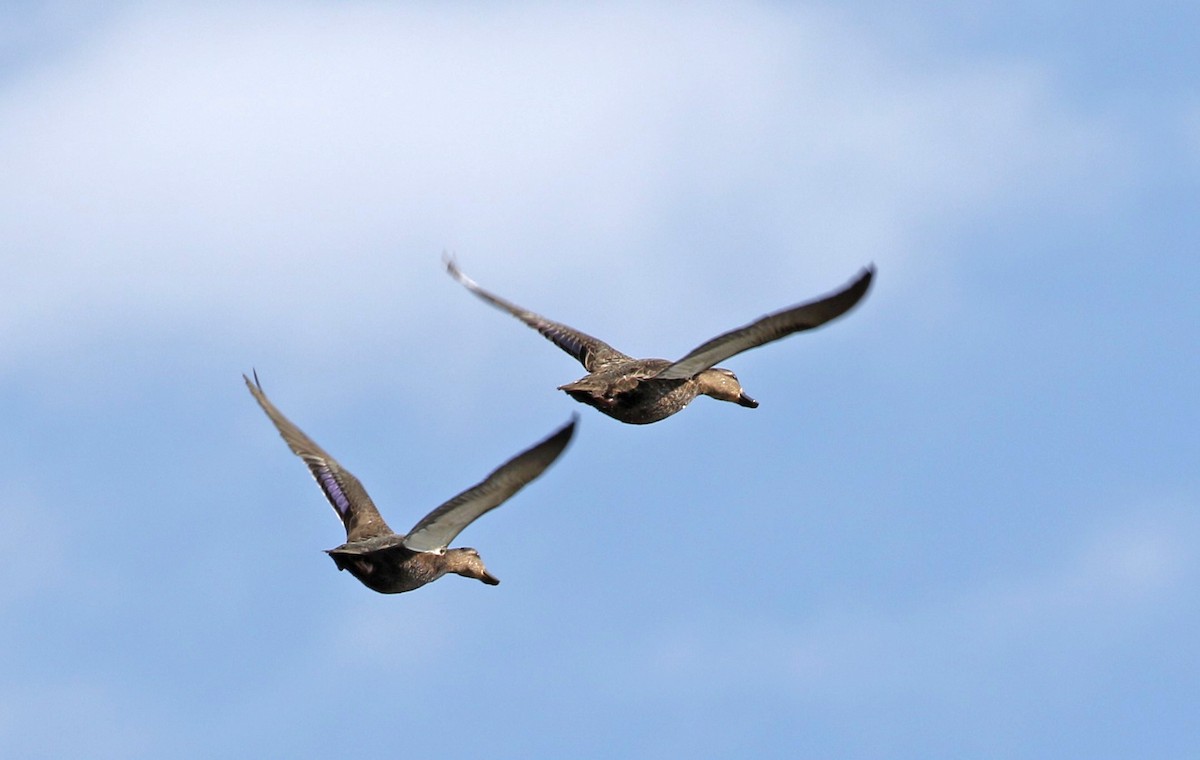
[[964, 522]]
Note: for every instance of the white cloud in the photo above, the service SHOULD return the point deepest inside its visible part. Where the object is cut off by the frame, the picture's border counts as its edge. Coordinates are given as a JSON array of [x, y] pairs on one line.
[[248, 166], [1031, 625]]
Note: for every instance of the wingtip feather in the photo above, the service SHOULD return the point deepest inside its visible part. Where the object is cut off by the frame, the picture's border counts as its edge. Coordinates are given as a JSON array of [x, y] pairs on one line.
[[453, 270]]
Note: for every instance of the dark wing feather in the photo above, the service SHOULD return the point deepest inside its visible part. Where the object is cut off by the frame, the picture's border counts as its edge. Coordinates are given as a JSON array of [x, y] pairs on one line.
[[347, 496], [438, 528], [794, 319], [592, 353]]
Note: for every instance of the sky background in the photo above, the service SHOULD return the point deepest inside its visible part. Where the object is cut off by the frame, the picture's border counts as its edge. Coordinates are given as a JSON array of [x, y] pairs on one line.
[[964, 521]]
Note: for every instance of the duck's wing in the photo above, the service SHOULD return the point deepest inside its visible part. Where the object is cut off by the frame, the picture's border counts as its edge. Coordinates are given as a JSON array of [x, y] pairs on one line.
[[345, 494], [438, 528], [592, 353], [774, 326]]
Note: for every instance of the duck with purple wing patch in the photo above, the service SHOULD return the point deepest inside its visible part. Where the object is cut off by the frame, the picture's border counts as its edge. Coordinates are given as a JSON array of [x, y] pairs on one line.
[[391, 563], [641, 391]]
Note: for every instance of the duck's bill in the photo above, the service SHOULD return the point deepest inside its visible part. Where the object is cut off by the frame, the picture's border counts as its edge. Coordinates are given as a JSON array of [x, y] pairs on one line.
[[744, 400], [489, 579]]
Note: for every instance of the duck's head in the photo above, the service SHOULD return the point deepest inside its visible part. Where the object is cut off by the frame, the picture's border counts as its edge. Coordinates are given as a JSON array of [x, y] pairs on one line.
[[466, 562], [722, 384]]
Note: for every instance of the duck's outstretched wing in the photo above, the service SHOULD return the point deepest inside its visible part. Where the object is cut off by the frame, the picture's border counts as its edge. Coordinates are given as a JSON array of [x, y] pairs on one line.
[[438, 528], [592, 353], [794, 319], [347, 496]]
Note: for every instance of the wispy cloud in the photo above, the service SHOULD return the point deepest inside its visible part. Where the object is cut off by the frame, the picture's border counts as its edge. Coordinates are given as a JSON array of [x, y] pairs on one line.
[[208, 166], [1008, 629]]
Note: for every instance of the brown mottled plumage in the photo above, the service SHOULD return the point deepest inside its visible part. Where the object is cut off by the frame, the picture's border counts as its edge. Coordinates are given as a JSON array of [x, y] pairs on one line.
[[391, 563], [641, 391]]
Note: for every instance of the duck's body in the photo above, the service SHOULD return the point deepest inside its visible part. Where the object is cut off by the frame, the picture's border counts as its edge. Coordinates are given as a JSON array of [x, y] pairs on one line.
[[391, 563], [386, 565], [632, 392], [641, 391]]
